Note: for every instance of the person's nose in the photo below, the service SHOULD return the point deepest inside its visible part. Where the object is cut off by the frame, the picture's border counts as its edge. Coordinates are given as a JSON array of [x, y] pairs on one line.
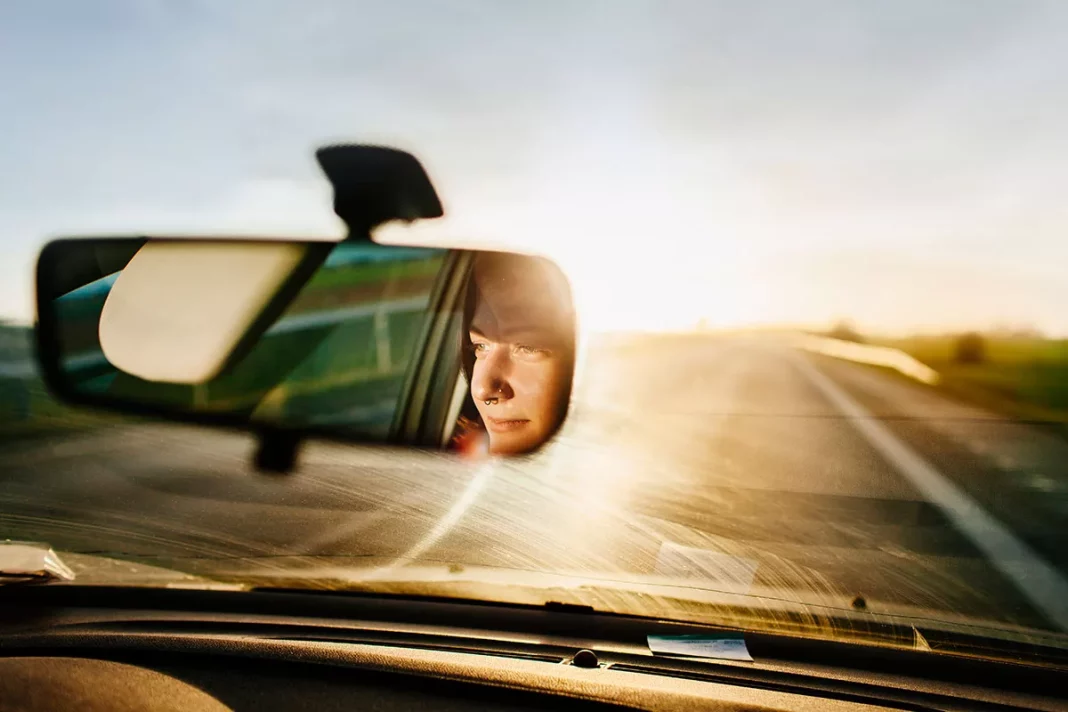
[[490, 377]]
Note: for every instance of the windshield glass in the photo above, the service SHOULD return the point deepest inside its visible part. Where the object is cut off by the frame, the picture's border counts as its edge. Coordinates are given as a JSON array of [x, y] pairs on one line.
[[818, 263]]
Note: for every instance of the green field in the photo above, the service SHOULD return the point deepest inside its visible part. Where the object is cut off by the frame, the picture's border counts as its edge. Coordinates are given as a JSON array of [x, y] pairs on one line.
[[27, 411], [1020, 376]]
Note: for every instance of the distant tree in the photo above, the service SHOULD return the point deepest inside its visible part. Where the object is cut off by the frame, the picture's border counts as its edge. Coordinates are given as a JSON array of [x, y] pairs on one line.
[[845, 331], [969, 348]]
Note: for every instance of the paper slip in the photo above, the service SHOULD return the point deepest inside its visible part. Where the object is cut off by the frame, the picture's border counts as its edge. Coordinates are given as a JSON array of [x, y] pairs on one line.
[[722, 646]]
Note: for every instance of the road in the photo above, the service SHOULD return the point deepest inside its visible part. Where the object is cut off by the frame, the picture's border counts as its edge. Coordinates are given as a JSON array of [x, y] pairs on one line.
[[734, 464]]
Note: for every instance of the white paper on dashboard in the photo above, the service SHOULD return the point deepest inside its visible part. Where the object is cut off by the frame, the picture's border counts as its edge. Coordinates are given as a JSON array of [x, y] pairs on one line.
[[721, 646]]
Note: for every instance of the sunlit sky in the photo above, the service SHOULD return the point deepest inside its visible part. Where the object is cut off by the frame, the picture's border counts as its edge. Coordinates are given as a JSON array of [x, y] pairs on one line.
[[900, 164]]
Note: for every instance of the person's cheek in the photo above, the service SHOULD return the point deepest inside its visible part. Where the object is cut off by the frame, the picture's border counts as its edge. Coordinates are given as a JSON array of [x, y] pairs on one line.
[[552, 392], [537, 388], [554, 387]]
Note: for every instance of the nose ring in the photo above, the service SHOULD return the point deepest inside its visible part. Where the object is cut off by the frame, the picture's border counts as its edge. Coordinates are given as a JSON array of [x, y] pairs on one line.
[[490, 401]]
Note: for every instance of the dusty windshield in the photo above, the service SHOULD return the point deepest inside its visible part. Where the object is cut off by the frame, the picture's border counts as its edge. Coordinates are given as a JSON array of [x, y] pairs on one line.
[[819, 269]]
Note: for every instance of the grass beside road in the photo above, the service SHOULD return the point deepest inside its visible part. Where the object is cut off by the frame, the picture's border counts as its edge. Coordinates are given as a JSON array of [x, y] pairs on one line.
[[1022, 377], [28, 411]]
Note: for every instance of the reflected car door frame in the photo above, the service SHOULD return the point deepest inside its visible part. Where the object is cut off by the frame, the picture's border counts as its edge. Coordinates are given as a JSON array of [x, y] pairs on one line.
[[429, 403]]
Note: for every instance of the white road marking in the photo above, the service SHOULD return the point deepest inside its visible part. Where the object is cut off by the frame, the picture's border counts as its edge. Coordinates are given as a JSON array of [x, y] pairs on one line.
[[1038, 580], [355, 525], [730, 573], [445, 524]]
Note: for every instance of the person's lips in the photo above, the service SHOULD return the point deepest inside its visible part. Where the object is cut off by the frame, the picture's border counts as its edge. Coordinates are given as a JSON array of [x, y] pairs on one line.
[[504, 425]]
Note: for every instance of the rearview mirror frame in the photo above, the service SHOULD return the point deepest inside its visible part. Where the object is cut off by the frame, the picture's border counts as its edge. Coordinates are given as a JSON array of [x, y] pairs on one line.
[[412, 432], [434, 380]]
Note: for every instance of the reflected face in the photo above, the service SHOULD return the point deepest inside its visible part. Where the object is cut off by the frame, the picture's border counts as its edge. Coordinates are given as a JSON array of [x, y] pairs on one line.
[[522, 334]]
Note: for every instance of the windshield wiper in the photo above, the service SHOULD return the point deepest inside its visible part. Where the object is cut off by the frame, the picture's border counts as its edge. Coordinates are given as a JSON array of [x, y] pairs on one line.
[[31, 562]]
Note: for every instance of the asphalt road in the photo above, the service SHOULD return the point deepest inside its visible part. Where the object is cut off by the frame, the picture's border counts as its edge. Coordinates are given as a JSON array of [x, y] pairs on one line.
[[731, 464]]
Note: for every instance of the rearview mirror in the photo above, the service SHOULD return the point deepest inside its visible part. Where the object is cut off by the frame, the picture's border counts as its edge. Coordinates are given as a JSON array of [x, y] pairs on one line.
[[354, 340]]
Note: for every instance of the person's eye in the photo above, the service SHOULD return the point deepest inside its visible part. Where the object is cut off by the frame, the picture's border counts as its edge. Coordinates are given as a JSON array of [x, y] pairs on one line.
[[479, 348], [531, 351]]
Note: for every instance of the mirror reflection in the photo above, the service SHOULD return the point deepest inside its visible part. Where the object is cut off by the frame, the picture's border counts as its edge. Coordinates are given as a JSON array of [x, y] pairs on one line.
[[518, 352], [470, 351]]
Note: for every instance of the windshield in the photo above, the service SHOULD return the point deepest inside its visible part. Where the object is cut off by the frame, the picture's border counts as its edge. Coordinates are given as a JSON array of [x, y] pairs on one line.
[[818, 260]]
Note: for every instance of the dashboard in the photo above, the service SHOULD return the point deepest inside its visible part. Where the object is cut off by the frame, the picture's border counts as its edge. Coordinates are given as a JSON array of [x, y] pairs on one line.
[[329, 676], [68, 647]]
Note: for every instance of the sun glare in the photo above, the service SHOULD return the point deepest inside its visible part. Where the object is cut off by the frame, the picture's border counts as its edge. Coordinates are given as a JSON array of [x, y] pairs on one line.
[[662, 282]]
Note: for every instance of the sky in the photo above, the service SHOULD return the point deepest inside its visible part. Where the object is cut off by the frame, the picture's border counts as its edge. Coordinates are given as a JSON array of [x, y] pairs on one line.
[[899, 164]]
